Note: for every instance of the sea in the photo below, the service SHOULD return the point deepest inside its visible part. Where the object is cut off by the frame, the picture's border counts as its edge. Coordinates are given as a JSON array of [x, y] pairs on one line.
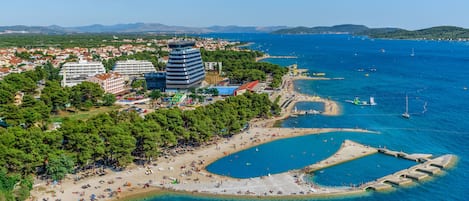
[[433, 75]]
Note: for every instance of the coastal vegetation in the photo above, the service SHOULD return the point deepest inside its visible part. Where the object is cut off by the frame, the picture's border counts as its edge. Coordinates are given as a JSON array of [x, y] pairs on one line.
[[241, 66], [108, 139], [74, 40], [433, 33]]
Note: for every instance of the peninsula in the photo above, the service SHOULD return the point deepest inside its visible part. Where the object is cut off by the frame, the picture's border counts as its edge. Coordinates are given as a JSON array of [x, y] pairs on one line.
[[433, 33]]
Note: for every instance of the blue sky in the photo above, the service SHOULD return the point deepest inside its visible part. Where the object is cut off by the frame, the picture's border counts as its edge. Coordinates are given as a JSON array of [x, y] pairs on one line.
[[409, 14]]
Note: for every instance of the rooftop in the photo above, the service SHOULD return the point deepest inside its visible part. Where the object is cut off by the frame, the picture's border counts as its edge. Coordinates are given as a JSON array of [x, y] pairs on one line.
[[181, 44]]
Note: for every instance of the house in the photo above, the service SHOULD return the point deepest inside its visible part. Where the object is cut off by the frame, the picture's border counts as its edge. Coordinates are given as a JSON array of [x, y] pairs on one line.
[[250, 86], [113, 83]]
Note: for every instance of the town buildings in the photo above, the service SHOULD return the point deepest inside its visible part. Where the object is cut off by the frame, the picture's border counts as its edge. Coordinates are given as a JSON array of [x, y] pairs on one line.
[[156, 80], [133, 68], [113, 83], [184, 68], [76, 72]]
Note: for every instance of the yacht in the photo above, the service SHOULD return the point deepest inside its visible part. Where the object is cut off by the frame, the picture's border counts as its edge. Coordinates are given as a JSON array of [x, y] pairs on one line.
[[406, 113]]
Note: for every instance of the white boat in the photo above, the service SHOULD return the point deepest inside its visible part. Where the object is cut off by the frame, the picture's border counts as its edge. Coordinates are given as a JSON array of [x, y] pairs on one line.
[[412, 53], [406, 113], [357, 101]]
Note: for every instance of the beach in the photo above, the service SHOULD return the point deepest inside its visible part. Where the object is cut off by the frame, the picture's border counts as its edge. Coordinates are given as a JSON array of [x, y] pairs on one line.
[[188, 168], [185, 172]]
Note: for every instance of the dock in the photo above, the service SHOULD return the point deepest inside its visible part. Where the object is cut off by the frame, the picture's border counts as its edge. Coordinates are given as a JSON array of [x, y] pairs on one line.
[[419, 172], [400, 154]]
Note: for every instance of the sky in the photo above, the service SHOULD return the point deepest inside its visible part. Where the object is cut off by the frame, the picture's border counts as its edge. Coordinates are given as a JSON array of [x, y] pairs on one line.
[[408, 14]]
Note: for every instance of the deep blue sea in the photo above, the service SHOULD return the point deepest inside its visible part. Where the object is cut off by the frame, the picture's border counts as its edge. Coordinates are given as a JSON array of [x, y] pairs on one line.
[[435, 79]]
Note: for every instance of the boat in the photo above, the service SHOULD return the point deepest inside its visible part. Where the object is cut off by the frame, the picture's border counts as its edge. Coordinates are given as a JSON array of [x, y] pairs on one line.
[[319, 74], [406, 113], [412, 53], [357, 101]]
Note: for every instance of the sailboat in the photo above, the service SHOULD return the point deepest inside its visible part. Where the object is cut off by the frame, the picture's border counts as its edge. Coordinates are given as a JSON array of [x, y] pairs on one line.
[[406, 113], [413, 53]]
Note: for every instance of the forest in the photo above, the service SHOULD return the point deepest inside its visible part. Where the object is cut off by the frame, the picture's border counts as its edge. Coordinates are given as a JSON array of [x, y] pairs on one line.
[[241, 66], [73, 40]]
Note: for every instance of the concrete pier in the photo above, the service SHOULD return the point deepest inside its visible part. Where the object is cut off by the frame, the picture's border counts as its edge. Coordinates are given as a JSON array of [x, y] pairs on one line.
[[416, 175], [398, 181], [432, 170], [418, 172], [413, 157]]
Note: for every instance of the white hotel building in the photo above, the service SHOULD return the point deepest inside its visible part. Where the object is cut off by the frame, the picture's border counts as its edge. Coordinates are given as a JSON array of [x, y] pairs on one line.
[[76, 72], [133, 68]]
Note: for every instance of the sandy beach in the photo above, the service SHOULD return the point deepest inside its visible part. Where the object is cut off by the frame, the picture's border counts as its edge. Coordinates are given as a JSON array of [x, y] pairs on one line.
[[188, 169], [185, 172]]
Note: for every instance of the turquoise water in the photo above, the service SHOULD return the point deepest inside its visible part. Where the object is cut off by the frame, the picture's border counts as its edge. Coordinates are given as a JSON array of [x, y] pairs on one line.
[[434, 80]]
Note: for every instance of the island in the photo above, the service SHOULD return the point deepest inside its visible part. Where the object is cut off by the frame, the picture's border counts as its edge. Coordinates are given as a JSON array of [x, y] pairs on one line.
[[433, 33]]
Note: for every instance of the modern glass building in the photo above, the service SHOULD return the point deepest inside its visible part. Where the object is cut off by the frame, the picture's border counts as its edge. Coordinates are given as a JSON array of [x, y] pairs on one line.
[[185, 68], [156, 80]]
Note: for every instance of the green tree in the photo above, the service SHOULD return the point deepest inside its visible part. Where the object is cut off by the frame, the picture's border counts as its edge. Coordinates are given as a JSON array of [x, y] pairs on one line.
[[58, 167], [109, 99], [86, 94], [155, 94], [55, 96]]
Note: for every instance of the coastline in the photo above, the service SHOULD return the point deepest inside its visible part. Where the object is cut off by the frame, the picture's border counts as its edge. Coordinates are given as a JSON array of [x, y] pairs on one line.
[[172, 168], [166, 170]]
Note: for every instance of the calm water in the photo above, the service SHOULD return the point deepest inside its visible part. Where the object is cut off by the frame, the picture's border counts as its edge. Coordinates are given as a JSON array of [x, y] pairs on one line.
[[434, 80]]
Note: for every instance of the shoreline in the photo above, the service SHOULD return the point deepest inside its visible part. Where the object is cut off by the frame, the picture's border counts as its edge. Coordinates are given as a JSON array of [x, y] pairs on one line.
[[177, 168], [168, 169]]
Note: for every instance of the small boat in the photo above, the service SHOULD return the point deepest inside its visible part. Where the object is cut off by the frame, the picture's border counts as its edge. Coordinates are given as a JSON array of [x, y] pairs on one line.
[[357, 101], [406, 113], [412, 53], [319, 74]]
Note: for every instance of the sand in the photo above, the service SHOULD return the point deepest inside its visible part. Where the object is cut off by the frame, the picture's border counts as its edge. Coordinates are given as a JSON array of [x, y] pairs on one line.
[[189, 168]]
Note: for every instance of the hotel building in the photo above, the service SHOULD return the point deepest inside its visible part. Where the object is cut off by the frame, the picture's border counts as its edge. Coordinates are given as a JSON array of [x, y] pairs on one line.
[[76, 72], [112, 83], [184, 68], [133, 68]]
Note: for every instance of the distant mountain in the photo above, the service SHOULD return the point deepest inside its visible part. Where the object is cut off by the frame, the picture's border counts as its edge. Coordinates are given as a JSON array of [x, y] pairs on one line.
[[344, 28], [32, 29], [241, 29], [136, 28], [433, 33]]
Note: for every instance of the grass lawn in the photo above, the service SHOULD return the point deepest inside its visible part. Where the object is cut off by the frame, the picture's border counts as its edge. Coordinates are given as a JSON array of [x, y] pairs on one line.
[[82, 115]]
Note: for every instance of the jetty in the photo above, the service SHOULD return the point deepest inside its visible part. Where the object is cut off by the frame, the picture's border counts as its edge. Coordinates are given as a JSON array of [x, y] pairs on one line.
[[266, 56], [408, 176], [349, 150]]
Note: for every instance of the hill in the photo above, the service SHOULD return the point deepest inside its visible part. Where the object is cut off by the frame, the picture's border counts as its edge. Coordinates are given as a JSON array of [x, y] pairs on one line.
[[344, 28], [433, 33], [135, 28]]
